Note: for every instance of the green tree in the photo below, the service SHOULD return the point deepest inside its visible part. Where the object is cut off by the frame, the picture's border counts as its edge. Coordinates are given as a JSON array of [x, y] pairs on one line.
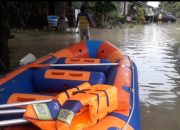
[[140, 15], [23, 13], [138, 12], [173, 7], [102, 10], [4, 36]]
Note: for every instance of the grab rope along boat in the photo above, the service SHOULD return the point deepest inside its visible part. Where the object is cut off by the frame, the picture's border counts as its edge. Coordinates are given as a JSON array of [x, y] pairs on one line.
[[91, 85]]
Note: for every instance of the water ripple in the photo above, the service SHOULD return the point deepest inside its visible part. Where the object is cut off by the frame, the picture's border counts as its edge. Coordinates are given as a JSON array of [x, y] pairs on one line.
[[152, 50]]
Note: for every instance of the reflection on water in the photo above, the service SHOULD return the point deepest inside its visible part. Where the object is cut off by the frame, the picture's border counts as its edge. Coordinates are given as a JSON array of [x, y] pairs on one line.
[[151, 49], [154, 49]]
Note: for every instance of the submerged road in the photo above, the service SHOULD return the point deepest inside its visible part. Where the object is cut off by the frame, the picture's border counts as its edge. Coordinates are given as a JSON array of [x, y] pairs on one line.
[[156, 51]]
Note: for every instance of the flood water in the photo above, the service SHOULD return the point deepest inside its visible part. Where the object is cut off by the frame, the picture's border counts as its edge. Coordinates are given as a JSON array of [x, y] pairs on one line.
[[156, 52]]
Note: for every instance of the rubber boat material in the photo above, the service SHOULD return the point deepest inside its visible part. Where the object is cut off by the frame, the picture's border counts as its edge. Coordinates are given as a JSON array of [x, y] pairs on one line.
[[90, 85]]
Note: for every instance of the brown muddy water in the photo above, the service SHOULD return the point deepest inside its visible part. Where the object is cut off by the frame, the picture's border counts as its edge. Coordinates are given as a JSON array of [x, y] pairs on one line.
[[154, 49]]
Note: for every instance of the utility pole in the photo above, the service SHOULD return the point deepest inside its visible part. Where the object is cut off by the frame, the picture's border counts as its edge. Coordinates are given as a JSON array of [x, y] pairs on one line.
[[162, 8], [125, 8]]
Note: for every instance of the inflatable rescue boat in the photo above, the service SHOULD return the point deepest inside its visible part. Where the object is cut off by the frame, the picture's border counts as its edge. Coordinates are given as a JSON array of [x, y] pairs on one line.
[[91, 85]]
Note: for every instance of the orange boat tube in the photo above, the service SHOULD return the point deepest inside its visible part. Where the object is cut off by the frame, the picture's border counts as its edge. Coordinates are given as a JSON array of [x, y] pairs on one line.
[[112, 89]]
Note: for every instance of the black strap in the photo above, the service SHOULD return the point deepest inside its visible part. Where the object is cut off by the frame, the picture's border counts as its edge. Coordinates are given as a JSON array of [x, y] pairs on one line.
[[107, 97], [98, 100]]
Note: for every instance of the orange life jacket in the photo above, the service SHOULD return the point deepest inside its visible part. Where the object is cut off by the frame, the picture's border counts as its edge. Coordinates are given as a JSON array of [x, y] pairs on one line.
[[81, 110]]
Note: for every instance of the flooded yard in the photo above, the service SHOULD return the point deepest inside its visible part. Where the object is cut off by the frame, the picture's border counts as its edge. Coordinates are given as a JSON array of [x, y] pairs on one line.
[[155, 50]]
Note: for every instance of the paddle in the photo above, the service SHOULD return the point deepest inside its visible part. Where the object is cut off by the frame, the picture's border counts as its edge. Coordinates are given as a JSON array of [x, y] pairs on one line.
[[12, 111], [16, 111], [64, 65], [13, 122], [2, 106]]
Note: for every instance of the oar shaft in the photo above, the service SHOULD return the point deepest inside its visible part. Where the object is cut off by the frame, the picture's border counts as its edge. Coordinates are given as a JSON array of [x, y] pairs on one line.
[[101, 64], [12, 111], [63, 65], [12, 122], [22, 103]]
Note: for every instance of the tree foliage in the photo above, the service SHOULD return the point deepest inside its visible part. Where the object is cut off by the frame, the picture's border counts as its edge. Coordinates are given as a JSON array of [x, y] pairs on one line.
[[137, 12], [140, 15], [172, 7], [27, 14], [104, 7], [102, 10], [4, 36]]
